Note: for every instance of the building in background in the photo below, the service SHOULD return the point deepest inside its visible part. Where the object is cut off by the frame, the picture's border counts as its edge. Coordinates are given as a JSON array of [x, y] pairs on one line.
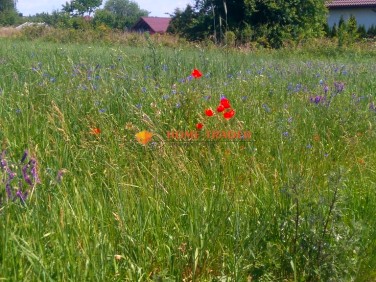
[[152, 25], [363, 10]]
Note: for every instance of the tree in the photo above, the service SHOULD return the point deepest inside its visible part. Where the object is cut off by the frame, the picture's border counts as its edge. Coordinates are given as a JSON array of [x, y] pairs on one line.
[[125, 12], [275, 20], [81, 7], [8, 12]]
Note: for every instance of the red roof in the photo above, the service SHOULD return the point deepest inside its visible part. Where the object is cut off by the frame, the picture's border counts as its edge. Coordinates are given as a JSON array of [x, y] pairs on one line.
[[350, 3], [154, 24]]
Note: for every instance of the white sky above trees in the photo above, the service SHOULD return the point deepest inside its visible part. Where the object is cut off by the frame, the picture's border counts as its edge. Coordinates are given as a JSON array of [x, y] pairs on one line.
[[157, 8]]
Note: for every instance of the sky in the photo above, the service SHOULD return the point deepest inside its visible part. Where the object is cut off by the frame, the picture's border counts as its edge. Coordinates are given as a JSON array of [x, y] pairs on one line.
[[157, 8]]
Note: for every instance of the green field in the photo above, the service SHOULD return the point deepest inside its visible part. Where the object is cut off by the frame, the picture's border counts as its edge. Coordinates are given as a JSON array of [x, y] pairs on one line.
[[295, 202]]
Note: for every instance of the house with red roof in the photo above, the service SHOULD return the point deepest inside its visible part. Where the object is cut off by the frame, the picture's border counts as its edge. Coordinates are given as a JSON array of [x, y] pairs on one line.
[[363, 10], [151, 25]]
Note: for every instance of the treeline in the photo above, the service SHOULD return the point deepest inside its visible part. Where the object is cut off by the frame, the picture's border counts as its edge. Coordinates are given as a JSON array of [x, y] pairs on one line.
[[81, 14], [267, 23]]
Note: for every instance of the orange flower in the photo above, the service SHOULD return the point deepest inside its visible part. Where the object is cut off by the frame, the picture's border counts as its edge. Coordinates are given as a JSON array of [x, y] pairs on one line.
[[95, 131], [144, 137]]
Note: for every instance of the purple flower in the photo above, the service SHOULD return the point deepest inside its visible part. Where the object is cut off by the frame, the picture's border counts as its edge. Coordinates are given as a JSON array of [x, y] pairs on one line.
[[317, 100], [60, 175], [3, 162], [34, 170], [339, 86], [21, 195], [24, 156], [8, 189], [326, 89], [25, 174]]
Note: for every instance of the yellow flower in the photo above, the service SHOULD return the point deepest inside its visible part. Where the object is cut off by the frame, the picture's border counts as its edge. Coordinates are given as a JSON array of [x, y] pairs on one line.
[[144, 137]]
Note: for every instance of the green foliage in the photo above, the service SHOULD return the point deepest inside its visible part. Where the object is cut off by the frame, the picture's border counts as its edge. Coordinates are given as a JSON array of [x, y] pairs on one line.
[[6, 5], [296, 203], [230, 38], [119, 14], [81, 7], [371, 32], [362, 31], [8, 17], [275, 20], [8, 13], [347, 32]]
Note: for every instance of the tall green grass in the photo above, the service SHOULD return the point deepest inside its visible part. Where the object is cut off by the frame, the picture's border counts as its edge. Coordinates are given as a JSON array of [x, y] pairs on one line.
[[296, 203]]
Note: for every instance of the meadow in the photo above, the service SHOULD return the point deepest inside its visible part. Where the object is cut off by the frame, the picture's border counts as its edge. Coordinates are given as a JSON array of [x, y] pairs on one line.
[[81, 199]]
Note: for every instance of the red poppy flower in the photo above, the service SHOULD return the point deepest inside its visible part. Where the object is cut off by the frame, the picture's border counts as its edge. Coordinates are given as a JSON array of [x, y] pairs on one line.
[[220, 108], [199, 126], [95, 131], [229, 114], [209, 112], [225, 103], [196, 73]]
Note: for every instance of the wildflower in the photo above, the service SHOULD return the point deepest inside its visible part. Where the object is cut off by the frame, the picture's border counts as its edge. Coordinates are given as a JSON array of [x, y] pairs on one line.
[[209, 112], [95, 131], [339, 86], [25, 174], [24, 156], [60, 175], [144, 137], [196, 73], [318, 99], [326, 89], [266, 108], [229, 114], [118, 257], [225, 103], [220, 108], [199, 126]]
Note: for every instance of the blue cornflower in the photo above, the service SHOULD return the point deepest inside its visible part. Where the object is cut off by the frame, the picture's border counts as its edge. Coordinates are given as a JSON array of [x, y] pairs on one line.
[[266, 108]]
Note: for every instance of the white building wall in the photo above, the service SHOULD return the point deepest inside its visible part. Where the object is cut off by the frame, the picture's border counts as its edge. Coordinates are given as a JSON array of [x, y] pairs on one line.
[[364, 16]]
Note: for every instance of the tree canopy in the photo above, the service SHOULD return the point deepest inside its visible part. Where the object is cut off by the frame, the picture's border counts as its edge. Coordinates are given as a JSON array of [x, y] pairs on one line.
[[268, 20], [119, 14], [81, 7], [8, 12]]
